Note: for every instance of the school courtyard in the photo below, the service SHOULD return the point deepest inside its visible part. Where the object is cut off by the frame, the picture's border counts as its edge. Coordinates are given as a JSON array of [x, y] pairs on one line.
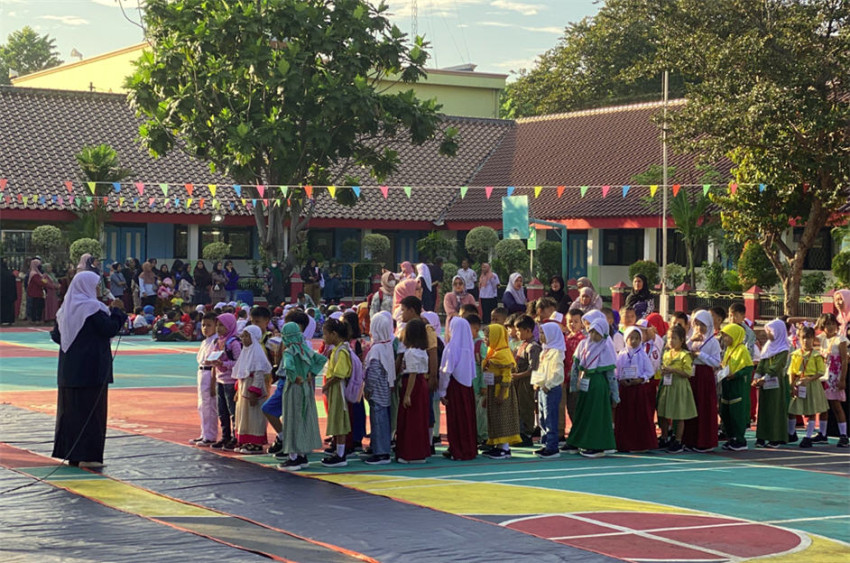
[[161, 499]]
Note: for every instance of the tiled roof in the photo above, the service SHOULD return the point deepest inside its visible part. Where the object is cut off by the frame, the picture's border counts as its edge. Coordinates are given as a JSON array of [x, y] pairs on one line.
[[594, 148], [42, 130]]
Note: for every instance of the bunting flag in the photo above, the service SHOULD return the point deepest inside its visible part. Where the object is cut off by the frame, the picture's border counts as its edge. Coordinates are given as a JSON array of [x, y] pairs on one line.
[[537, 190], [407, 191], [309, 191], [54, 199], [236, 188], [761, 187], [261, 189], [88, 199], [105, 200], [277, 203], [190, 188], [266, 202], [331, 190], [164, 188], [510, 191], [121, 201], [20, 198], [41, 200], [463, 190], [733, 187], [70, 187], [584, 190], [78, 202], [2, 184], [188, 202], [151, 201], [626, 190], [166, 202], [92, 187], [653, 189], [232, 206], [284, 190], [561, 191], [355, 189], [385, 191], [140, 187], [705, 189], [676, 188], [61, 201], [605, 190], [176, 201], [136, 202], [488, 191], [116, 186], [216, 204], [201, 203]]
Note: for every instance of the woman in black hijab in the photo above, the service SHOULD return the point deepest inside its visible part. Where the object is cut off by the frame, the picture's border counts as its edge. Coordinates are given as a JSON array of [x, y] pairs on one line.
[[640, 299], [8, 294]]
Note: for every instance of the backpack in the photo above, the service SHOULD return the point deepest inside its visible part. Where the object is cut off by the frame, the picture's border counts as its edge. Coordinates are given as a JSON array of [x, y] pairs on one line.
[[379, 294], [228, 350], [354, 387]]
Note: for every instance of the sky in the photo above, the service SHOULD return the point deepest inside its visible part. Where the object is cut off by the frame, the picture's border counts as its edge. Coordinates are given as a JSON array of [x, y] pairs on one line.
[[499, 36]]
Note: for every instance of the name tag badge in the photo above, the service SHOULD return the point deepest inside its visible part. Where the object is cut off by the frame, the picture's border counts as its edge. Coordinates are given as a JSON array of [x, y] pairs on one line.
[[771, 382], [489, 378], [668, 379], [722, 374], [584, 384], [628, 373], [801, 392]]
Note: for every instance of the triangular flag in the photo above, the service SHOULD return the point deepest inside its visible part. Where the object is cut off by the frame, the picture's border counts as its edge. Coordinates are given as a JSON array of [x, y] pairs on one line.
[[216, 204], [626, 190], [583, 190], [561, 191], [261, 189], [244, 202], [78, 201], [151, 201], [41, 200], [254, 202], [176, 202], [236, 188], [54, 199], [116, 186], [201, 203], [136, 202], [733, 187], [120, 201], [676, 188], [510, 191], [61, 201], [706, 188], [140, 187], [2, 184], [69, 186], [408, 190], [232, 206], [761, 187], [309, 191], [266, 202], [20, 198], [88, 199], [92, 187], [213, 188], [385, 190], [9, 200], [284, 190], [277, 203], [488, 191], [356, 190], [105, 200], [331, 190], [653, 189], [605, 190], [463, 190], [167, 202], [164, 188], [537, 190], [188, 202], [190, 188]]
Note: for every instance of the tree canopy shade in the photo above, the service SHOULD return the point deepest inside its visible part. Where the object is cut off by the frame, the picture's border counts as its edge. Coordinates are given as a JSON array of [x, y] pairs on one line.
[[282, 92], [26, 52]]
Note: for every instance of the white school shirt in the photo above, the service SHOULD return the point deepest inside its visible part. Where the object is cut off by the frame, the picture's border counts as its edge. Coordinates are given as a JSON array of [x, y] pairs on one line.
[[415, 361], [490, 290], [468, 276]]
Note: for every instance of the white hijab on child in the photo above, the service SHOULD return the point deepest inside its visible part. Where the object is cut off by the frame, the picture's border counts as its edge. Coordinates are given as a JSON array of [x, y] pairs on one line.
[[253, 358], [80, 303], [598, 354], [459, 356], [554, 337], [779, 343], [381, 328]]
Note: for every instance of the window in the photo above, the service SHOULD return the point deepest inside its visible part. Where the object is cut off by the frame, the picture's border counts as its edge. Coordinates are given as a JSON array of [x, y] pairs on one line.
[[321, 242], [181, 241], [819, 256], [17, 247], [621, 247], [676, 253], [240, 240]]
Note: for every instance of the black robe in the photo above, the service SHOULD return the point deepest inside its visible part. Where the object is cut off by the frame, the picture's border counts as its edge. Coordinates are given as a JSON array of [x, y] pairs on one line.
[[8, 295]]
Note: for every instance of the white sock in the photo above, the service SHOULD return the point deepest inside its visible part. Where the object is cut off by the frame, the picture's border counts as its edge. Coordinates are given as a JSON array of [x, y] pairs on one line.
[[293, 456], [792, 425], [823, 423], [506, 446], [340, 450], [810, 428], [842, 428]]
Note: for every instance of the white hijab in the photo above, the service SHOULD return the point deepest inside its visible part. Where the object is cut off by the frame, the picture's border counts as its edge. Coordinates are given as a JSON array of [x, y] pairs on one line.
[[425, 273], [554, 337], [433, 319], [459, 356], [779, 343], [80, 303], [381, 328], [598, 354], [253, 358], [310, 331], [709, 348], [519, 295]]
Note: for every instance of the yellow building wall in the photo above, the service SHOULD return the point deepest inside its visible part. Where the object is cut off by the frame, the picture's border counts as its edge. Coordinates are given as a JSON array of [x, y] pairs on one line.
[[465, 94]]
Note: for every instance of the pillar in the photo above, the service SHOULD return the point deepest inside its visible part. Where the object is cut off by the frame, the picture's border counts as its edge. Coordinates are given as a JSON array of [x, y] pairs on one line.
[[828, 303], [751, 302], [680, 298], [572, 289], [618, 295], [193, 243], [534, 289], [296, 286], [650, 244]]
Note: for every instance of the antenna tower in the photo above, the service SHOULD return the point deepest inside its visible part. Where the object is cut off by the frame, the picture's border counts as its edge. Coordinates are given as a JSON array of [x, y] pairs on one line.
[[414, 19]]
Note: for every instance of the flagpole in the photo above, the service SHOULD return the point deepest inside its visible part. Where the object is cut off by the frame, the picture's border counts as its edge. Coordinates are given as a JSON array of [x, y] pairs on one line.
[[663, 304]]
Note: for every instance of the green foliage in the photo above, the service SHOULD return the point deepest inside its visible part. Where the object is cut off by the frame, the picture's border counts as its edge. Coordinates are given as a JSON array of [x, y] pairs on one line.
[[732, 282], [676, 275], [435, 244], [654, 174], [480, 243], [713, 276], [26, 52], [813, 283], [216, 251], [547, 260], [350, 250], [99, 163], [85, 246], [690, 213], [376, 247], [49, 242], [754, 268], [841, 268], [646, 267], [513, 257]]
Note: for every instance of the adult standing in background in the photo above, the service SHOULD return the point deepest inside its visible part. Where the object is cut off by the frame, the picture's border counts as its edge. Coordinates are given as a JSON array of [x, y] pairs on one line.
[[424, 278], [514, 297], [640, 299], [203, 281], [118, 286], [217, 292], [469, 277], [488, 291], [596, 299], [8, 294], [35, 290], [311, 275], [437, 278], [277, 293], [457, 298], [147, 285], [51, 293], [232, 277], [83, 328]]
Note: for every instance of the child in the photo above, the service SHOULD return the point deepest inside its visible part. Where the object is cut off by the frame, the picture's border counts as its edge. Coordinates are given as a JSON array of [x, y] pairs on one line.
[[241, 320], [457, 371], [675, 397], [772, 386], [736, 374], [737, 315], [548, 380], [614, 332], [569, 399], [251, 370], [298, 369], [499, 316], [206, 385], [592, 377], [502, 410], [356, 411], [806, 371], [141, 324], [413, 439], [167, 329], [834, 350], [335, 334], [467, 310], [379, 382], [228, 344], [628, 318], [546, 309], [681, 319], [718, 315], [701, 432], [527, 360], [634, 418], [513, 335], [478, 386]]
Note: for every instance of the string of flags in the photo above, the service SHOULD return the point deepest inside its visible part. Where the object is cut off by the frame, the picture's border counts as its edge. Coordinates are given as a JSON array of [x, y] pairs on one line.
[[151, 195]]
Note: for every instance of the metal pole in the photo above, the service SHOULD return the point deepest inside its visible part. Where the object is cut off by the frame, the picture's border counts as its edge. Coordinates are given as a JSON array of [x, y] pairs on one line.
[[563, 229], [663, 304]]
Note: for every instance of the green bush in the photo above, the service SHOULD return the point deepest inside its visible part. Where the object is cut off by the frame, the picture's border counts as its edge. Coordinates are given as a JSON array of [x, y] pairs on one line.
[[676, 275], [648, 269], [350, 251], [547, 260], [813, 283], [435, 244], [216, 251], [713, 276], [731, 281], [754, 268], [49, 242], [480, 243], [513, 256], [85, 246], [841, 268], [376, 247]]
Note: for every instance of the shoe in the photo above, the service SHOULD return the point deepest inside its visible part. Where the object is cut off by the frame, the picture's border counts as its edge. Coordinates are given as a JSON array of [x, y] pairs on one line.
[[334, 461], [484, 447], [792, 438], [760, 443], [436, 440], [806, 443], [498, 453], [447, 454], [218, 445], [820, 439], [250, 449], [663, 443], [290, 465], [378, 460], [592, 453], [721, 436], [330, 451], [547, 454], [675, 447], [539, 451], [736, 445], [196, 440], [843, 442], [204, 443], [91, 465], [569, 449], [773, 445], [433, 450], [277, 447], [527, 442], [537, 432], [409, 461], [282, 456], [702, 450], [231, 445]]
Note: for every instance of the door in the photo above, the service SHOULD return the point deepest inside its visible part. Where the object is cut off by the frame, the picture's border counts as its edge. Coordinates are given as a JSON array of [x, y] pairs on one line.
[[124, 242], [577, 257]]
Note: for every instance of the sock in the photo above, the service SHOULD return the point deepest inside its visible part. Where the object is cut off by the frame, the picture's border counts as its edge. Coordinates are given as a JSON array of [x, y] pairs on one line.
[[822, 425], [792, 425], [280, 435], [293, 456], [340, 450], [842, 428], [810, 428], [506, 446]]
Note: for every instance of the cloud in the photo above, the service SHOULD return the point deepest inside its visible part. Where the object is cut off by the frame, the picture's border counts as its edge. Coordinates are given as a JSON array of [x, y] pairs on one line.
[[67, 20], [534, 29], [524, 9], [404, 8]]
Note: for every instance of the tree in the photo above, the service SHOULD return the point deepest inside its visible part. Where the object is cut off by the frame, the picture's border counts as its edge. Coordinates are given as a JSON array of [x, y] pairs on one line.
[[376, 247], [480, 242], [282, 92], [26, 52], [771, 95], [99, 164], [754, 267], [434, 244], [85, 246]]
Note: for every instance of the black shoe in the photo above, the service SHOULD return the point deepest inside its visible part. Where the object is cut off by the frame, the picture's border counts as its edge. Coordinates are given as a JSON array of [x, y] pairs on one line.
[[843, 442], [539, 451], [277, 447], [663, 443], [773, 445], [330, 451], [547, 454], [760, 443], [290, 465], [282, 456], [806, 443], [433, 450], [194, 441], [592, 453], [537, 432], [218, 445], [334, 461], [569, 449], [735, 445], [675, 447], [436, 441], [820, 439], [378, 460], [231, 445], [204, 443], [527, 442], [792, 438], [498, 453], [447, 454]]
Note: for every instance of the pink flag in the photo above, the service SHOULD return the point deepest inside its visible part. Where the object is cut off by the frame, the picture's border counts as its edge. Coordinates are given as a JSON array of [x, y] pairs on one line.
[[140, 186], [385, 190], [605, 190], [488, 191]]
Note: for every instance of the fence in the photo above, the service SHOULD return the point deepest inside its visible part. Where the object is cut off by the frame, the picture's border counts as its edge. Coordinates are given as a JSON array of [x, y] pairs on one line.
[[770, 305]]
